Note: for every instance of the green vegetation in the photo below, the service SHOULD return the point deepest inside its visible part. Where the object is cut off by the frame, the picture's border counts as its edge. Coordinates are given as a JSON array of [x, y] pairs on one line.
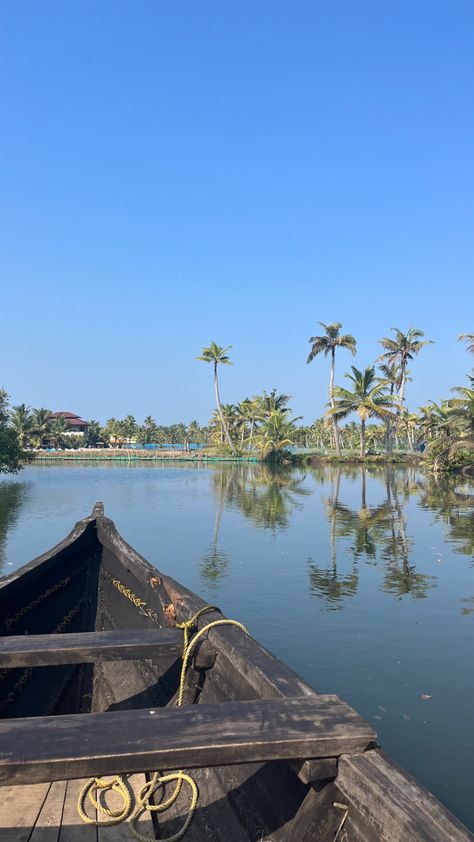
[[11, 451], [217, 356], [369, 399], [261, 426], [326, 345]]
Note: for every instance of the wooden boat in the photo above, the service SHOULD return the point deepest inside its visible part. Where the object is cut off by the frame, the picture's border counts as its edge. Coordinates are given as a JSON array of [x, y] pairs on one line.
[[90, 665]]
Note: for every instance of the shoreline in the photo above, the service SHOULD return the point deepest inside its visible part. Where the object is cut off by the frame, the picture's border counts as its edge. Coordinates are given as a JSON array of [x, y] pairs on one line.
[[201, 457], [122, 455]]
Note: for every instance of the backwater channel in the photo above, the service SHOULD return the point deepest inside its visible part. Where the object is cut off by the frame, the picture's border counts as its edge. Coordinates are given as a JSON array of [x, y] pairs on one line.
[[362, 580]]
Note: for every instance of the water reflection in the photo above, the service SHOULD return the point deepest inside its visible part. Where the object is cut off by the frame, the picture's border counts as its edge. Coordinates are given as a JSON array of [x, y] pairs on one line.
[[264, 495], [267, 496], [12, 496], [328, 581], [375, 533], [214, 562], [452, 501]]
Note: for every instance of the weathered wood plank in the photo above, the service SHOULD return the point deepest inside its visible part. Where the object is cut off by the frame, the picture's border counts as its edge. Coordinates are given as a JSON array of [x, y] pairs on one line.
[[48, 649], [48, 823], [19, 810], [73, 829], [393, 805], [53, 748], [309, 771], [320, 817]]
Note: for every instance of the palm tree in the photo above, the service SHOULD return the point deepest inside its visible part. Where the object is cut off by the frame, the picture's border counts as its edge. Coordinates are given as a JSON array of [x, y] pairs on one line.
[[217, 355], [41, 419], [368, 398], [58, 429], [114, 430], [399, 350], [129, 428], [326, 345], [393, 373], [94, 432], [468, 338], [21, 421], [436, 420], [253, 414], [273, 401], [275, 433]]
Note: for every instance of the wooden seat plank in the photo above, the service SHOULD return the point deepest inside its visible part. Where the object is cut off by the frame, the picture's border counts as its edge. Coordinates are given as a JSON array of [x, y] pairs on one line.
[[51, 649], [56, 747]]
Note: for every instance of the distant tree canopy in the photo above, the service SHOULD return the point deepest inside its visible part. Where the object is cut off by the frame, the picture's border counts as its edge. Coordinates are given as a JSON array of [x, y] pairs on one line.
[[11, 453]]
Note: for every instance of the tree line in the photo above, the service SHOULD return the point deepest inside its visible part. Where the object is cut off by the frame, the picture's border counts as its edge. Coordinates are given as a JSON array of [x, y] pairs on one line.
[[376, 392], [263, 424]]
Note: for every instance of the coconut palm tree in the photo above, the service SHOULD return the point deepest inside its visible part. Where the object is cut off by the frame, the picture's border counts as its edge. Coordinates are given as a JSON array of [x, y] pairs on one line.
[[275, 433], [58, 429], [369, 398], [327, 345], [129, 428], [217, 355], [94, 432], [21, 420], [399, 350], [468, 338], [393, 373], [436, 420], [42, 420], [273, 401]]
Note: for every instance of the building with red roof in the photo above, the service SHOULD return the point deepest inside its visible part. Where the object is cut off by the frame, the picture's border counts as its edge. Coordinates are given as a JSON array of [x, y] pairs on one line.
[[76, 423]]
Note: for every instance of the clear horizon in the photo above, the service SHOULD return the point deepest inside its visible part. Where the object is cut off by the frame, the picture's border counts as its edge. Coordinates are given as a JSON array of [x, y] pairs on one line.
[[177, 174]]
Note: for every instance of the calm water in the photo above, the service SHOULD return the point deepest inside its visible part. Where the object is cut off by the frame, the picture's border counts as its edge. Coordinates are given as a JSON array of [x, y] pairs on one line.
[[362, 581]]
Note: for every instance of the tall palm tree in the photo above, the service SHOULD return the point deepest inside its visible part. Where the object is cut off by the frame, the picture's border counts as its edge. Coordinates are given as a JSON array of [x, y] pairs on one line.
[[402, 348], [217, 355], [21, 420], [393, 373], [41, 424], [327, 345], [368, 397]]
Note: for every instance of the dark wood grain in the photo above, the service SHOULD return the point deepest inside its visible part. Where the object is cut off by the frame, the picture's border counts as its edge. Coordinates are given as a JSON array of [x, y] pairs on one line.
[[392, 804], [52, 748], [45, 650], [309, 771]]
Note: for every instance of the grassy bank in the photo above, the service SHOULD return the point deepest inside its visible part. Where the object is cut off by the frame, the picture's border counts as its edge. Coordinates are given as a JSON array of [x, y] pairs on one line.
[[353, 457], [132, 455]]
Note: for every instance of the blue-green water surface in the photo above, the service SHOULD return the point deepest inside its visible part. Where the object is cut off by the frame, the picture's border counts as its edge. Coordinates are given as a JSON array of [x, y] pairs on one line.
[[361, 580]]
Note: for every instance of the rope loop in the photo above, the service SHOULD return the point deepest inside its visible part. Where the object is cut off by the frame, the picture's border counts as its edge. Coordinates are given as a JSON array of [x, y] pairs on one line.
[[96, 788]]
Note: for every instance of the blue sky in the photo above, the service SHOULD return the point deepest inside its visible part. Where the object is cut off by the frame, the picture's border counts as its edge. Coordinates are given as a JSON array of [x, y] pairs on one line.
[[179, 172]]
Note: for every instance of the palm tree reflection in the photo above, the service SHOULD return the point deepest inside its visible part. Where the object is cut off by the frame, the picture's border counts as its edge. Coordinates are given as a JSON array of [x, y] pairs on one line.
[[266, 496], [329, 582], [375, 533], [451, 500]]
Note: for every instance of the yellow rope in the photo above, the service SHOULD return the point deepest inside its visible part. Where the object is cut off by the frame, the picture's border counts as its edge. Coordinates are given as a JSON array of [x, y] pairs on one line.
[[133, 811]]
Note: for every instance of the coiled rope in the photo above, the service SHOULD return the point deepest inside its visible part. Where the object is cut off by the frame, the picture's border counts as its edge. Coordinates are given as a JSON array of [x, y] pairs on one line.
[[133, 807]]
